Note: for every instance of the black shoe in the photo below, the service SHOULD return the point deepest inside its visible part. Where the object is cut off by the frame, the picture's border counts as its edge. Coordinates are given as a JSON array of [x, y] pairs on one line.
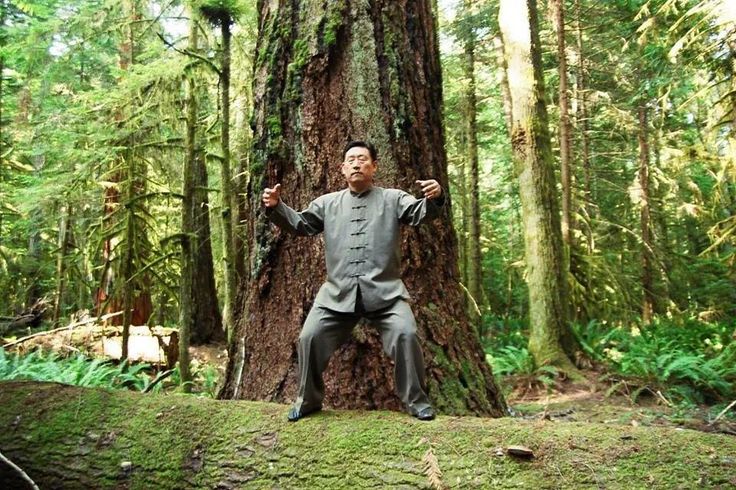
[[294, 414], [425, 414]]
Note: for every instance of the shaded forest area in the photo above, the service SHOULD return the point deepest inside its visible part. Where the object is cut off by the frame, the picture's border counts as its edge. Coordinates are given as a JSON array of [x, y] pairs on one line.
[[589, 151]]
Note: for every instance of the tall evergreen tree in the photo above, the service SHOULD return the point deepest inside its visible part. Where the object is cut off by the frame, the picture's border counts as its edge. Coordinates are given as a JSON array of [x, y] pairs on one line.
[[325, 74]]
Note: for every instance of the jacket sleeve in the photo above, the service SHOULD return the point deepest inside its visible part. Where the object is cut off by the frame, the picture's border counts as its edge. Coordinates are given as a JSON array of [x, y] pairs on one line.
[[412, 211], [308, 222]]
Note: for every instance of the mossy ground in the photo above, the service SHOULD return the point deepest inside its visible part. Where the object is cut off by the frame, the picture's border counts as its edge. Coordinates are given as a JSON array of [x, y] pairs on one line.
[[177, 441]]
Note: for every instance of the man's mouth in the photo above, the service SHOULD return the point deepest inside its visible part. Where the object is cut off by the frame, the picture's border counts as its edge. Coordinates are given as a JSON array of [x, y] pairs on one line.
[[356, 173]]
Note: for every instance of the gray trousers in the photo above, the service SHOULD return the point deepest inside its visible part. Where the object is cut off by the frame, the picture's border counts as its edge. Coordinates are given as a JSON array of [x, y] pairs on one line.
[[325, 330]]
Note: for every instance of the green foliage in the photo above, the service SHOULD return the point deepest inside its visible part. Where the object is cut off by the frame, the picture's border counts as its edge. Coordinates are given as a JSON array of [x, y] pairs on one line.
[[690, 361], [81, 370], [220, 11], [75, 370]]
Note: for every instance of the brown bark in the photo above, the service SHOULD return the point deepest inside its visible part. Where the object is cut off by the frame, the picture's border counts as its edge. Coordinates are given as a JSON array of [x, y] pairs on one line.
[[551, 340], [324, 75], [199, 311], [647, 283]]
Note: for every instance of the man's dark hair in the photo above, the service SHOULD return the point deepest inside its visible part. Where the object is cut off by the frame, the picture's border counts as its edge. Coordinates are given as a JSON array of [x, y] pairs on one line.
[[361, 144]]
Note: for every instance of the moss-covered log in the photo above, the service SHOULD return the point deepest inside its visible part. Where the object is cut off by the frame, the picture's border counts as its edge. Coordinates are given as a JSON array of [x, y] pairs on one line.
[[69, 437]]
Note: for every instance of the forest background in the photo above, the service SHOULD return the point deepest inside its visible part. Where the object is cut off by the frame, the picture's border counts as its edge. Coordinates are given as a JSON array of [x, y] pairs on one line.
[[128, 134]]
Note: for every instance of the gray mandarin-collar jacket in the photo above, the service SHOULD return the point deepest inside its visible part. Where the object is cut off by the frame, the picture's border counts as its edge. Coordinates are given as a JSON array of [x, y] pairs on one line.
[[361, 236]]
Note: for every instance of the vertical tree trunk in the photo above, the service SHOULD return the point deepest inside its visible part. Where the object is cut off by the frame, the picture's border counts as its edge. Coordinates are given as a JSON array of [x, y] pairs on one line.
[[550, 340], [564, 127], [580, 88], [188, 230], [474, 262], [228, 209], [463, 245], [327, 73], [199, 312], [118, 290], [503, 81], [64, 229], [647, 307]]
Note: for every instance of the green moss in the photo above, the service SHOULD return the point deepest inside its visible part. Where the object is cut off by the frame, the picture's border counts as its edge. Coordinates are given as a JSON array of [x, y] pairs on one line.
[[251, 445], [332, 22]]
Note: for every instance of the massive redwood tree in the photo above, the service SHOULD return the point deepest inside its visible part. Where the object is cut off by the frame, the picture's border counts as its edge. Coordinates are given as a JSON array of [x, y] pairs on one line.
[[326, 73]]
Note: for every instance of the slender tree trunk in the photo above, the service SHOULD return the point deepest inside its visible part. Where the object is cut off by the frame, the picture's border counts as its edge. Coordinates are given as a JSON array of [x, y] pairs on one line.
[[564, 129], [647, 284], [474, 262], [503, 81], [199, 311], [463, 245], [551, 339], [118, 289], [327, 73], [583, 124], [231, 282], [188, 229], [64, 230]]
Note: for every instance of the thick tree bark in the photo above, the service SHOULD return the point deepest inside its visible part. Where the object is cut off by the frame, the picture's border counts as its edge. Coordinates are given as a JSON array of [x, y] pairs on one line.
[[551, 340], [474, 262], [327, 73], [647, 283]]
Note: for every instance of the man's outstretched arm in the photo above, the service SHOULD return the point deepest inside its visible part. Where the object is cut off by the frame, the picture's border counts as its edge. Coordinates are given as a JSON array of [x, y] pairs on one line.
[[308, 222], [413, 211]]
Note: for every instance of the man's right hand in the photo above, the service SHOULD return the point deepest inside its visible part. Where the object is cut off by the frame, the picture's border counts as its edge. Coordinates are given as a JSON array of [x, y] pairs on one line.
[[271, 196]]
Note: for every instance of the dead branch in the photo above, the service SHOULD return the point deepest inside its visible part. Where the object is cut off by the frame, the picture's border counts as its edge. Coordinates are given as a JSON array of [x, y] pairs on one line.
[[19, 470]]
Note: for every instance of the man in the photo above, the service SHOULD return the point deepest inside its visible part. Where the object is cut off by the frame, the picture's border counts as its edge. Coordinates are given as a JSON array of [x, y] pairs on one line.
[[361, 236]]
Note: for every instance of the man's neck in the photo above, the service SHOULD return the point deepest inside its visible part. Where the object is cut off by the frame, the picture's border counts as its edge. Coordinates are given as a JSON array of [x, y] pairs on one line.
[[360, 190]]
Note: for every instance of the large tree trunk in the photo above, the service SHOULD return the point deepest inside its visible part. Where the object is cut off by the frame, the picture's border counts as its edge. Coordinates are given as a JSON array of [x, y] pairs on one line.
[[551, 339], [327, 73], [647, 283]]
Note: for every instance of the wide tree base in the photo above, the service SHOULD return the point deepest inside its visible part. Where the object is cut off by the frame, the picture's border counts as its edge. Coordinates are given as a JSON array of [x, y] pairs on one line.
[[69, 437]]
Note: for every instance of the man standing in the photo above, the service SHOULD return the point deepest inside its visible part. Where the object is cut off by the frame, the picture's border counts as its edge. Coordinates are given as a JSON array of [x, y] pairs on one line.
[[361, 236]]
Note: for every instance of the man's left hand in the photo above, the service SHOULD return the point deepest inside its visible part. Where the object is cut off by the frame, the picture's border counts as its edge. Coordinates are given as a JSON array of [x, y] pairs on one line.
[[431, 188]]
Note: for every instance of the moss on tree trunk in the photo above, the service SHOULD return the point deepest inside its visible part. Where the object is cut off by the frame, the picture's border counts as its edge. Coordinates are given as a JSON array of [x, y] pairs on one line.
[[326, 73]]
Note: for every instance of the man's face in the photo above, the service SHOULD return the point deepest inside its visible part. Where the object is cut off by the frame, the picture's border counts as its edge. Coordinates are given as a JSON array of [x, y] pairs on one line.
[[358, 167]]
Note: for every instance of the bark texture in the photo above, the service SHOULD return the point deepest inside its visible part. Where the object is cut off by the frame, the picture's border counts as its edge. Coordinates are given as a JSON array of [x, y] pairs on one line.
[[551, 339], [327, 73]]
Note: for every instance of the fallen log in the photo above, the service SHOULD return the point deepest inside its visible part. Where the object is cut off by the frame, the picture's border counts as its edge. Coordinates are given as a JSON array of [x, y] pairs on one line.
[[69, 437]]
